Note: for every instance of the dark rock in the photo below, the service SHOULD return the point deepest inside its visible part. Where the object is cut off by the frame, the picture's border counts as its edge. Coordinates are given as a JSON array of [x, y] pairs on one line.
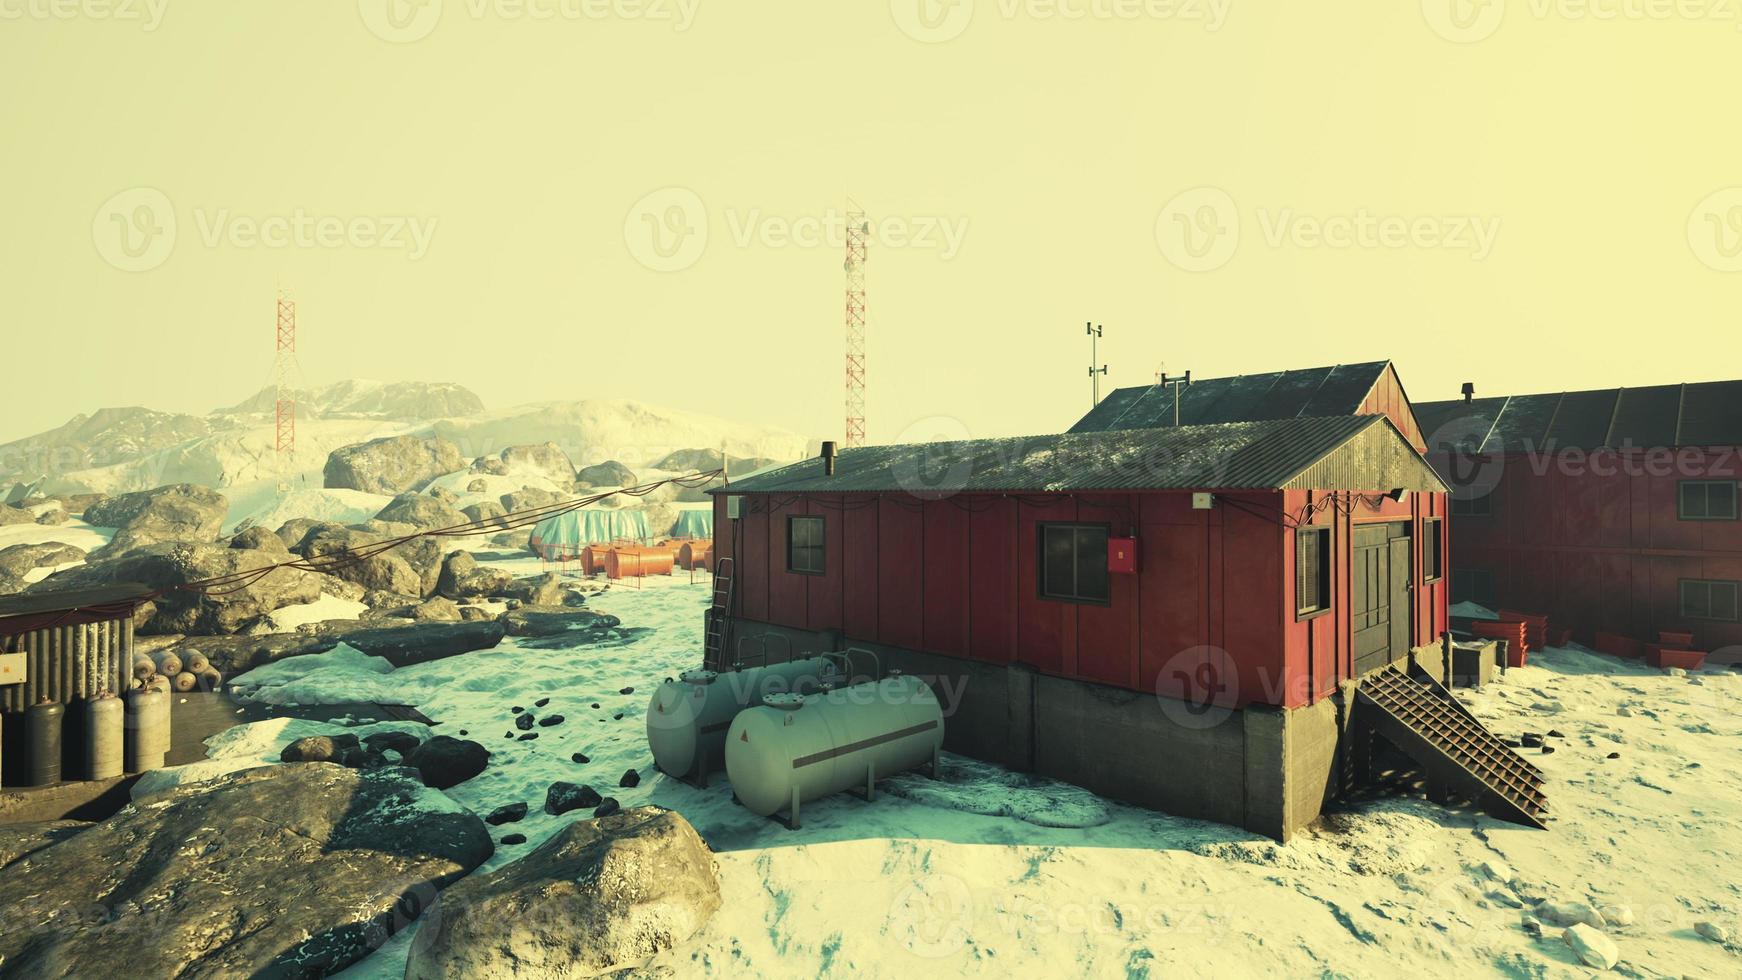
[[580, 757], [319, 748], [550, 720], [396, 464], [563, 797], [1554, 734], [182, 512], [20, 840], [464, 732], [606, 807], [528, 736], [405, 743], [1548, 750], [536, 590], [488, 510], [611, 892], [506, 814], [617, 717], [523, 722], [295, 530], [595, 704], [302, 869], [476, 614], [1531, 740], [630, 780], [544, 621], [384, 572], [1614, 755], [627, 690], [512, 839], [444, 761], [541, 702], [517, 709]]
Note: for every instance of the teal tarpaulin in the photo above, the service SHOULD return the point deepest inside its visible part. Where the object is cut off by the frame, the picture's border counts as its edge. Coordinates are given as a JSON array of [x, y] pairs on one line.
[[568, 533], [697, 523]]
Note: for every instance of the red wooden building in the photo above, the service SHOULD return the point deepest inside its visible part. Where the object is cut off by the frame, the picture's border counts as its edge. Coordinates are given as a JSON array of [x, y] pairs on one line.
[[1163, 614], [1612, 510]]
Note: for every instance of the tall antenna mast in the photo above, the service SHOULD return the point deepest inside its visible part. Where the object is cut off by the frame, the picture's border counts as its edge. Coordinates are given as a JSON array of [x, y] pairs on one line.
[[1095, 374], [284, 375], [858, 231]]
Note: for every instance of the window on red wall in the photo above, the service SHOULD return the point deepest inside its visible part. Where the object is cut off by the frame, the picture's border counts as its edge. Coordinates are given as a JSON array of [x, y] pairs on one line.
[[1312, 570], [804, 545], [1710, 600], [1707, 500], [1433, 562], [1073, 563]]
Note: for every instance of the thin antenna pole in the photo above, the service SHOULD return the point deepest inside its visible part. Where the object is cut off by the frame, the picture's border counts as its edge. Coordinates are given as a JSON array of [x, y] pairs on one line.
[[1094, 358]]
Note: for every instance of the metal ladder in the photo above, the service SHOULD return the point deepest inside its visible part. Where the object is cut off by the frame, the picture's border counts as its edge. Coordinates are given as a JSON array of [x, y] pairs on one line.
[[1452, 746], [718, 617]]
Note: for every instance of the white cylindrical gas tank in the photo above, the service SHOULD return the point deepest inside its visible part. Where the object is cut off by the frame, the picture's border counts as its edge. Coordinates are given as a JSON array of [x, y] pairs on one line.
[[688, 717], [796, 749]]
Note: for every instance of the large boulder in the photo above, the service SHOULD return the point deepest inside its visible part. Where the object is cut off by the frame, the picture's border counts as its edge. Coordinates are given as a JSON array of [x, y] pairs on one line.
[[259, 539], [545, 460], [294, 870], [21, 559], [183, 512], [488, 510], [397, 464], [21, 840], [529, 498], [705, 460], [445, 761], [12, 514], [226, 609], [597, 897], [610, 473], [548, 621], [341, 548], [422, 511], [293, 531], [463, 578]]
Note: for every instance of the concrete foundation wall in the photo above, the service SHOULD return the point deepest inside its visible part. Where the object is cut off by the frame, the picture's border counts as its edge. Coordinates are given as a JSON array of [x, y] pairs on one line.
[[1269, 770]]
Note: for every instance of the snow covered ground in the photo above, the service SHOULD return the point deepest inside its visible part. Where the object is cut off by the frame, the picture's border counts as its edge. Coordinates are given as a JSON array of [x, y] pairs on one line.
[[74, 532], [994, 873]]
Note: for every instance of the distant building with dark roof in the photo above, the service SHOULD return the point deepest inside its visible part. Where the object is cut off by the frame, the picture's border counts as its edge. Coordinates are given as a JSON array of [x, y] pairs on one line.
[[1613, 511], [1166, 614]]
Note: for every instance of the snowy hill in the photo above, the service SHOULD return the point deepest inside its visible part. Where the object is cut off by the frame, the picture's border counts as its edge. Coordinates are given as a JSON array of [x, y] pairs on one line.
[[117, 450]]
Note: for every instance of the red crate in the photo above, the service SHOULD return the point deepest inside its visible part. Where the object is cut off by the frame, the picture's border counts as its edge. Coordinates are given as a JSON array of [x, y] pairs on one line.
[[1674, 640], [1616, 645], [1658, 655]]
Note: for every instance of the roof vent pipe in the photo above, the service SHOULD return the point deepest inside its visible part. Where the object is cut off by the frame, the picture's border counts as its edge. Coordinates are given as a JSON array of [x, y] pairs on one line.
[[829, 459], [1469, 392]]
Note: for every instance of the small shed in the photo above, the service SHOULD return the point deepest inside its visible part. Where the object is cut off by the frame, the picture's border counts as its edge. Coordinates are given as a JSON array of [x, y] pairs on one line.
[[66, 646]]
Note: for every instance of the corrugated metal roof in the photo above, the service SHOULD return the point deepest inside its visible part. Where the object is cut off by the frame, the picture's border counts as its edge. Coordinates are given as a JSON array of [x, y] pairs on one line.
[[1304, 393], [1668, 416], [1231, 456]]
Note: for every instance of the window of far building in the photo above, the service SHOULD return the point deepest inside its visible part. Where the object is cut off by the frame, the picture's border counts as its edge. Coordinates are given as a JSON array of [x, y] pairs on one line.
[[1473, 585], [1312, 565], [1469, 502], [1433, 562], [1073, 563], [804, 545], [1710, 600], [1707, 500]]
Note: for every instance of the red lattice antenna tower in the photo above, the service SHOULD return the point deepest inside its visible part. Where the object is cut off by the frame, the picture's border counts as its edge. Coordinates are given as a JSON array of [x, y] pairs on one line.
[[284, 375], [858, 230]]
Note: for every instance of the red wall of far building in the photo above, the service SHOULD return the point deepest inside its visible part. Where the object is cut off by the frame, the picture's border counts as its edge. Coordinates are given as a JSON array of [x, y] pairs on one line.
[[958, 577], [1596, 541]]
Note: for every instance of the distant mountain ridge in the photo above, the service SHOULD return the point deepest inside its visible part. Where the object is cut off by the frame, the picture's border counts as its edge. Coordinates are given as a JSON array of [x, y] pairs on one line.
[[362, 398]]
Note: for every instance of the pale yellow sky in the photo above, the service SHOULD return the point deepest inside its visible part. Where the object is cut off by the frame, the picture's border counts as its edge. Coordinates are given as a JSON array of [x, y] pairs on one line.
[[547, 200]]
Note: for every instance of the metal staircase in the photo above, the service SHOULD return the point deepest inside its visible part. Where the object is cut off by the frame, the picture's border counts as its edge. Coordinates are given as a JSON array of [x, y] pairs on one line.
[[718, 617], [1429, 726]]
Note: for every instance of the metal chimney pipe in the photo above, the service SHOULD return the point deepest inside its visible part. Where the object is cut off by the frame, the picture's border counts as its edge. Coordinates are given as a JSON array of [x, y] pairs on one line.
[[1469, 392], [829, 458]]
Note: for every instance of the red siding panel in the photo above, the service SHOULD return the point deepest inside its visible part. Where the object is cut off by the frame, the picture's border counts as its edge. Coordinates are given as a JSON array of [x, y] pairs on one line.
[[823, 592], [752, 572], [786, 589], [901, 572], [1042, 624], [859, 567], [992, 581], [1106, 647], [946, 578]]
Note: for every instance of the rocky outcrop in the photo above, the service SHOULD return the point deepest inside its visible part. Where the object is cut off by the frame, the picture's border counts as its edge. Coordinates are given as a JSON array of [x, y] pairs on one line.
[[397, 464], [534, 621], [21, 840], [22, 559], [183, 512], [292, 870], [610, 473], [399, 643], [485, 511], [422, 511], [445, 761], [599, 896], [545, 460], [704, 460], [10, 514], [165, 566], [295, 530], [463, 578]]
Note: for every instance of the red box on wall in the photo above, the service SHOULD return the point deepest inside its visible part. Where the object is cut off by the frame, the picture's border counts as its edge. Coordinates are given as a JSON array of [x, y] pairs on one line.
[[1122, 556]]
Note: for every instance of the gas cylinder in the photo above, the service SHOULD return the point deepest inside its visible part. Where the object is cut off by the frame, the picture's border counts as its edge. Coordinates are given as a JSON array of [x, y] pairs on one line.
[[147, 736], [42, 722], [688, 717], [105, 732], [794, 748]]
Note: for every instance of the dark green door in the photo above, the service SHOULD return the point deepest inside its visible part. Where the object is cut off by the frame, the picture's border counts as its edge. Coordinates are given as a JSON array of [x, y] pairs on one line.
[[1380, 604]]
